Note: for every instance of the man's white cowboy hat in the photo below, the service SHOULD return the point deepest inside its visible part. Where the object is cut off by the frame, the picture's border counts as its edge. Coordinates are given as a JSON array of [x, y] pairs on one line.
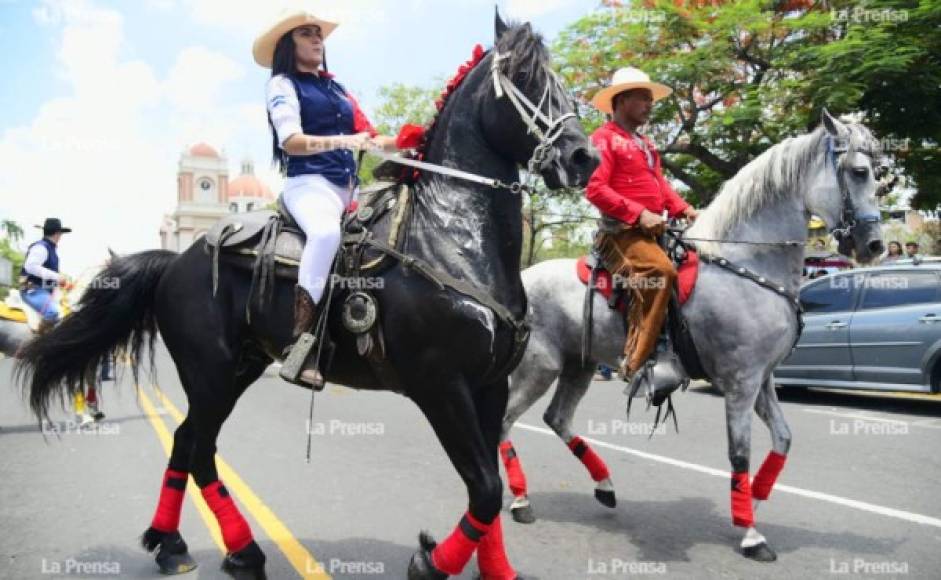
[[626, 79], [263, 49]]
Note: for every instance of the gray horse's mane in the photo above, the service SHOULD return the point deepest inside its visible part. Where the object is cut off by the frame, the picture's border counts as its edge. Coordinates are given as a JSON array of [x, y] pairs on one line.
[[771, 176]]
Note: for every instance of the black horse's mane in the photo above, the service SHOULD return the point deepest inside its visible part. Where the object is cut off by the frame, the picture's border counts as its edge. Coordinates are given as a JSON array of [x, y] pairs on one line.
[[527, 55]]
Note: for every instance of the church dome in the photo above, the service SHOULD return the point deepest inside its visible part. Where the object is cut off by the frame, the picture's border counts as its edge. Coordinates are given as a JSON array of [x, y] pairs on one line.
[[203, 150], [247, 185]]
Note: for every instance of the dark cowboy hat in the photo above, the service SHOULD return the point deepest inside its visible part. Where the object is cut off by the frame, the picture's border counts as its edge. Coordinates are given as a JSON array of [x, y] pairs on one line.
[[52, 226]]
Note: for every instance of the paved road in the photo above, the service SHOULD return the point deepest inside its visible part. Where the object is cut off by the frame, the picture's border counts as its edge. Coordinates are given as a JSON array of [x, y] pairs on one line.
[[859, 497]]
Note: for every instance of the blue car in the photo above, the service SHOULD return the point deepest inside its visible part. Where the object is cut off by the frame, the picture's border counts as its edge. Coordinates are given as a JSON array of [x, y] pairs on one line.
[[872, 328]]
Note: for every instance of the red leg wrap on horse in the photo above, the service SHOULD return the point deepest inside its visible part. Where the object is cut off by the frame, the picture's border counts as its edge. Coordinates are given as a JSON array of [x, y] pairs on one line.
[[742, 514], [91, 396], [167, 516], [451, 555], [514, 470], [768, 473], [589, 459], [235, 531], [491, 555]]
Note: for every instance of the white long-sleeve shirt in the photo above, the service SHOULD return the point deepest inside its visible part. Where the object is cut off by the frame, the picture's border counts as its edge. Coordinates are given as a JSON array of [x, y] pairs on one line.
[[35, 259], [284, 107]]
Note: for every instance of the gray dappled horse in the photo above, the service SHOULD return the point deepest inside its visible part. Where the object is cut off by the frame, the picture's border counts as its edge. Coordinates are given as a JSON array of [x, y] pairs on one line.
[[742, 329]]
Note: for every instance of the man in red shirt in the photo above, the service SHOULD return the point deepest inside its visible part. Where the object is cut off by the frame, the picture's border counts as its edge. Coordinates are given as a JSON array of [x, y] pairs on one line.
[[630, 190]]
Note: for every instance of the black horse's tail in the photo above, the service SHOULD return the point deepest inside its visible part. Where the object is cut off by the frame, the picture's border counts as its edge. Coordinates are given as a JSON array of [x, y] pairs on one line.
[[115, 312]]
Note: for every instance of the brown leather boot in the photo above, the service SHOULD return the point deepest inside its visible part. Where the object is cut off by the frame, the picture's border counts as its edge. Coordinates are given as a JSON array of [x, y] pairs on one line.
[[305, 314]]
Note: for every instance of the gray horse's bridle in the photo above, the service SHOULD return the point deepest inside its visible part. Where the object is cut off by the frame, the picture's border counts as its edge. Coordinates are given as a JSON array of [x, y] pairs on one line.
[[849, 217]]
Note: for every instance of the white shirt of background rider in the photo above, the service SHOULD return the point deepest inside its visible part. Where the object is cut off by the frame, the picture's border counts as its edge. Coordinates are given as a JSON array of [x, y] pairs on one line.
[[34, 264]]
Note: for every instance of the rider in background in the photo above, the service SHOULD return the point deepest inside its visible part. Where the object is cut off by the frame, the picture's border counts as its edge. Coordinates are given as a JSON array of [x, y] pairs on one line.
[[630, 190], [40, 273], [316, 126]]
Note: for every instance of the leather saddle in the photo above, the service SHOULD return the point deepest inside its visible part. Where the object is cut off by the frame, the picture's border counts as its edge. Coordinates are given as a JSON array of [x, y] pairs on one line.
[[592, 271], [270, 242], [276, 233]]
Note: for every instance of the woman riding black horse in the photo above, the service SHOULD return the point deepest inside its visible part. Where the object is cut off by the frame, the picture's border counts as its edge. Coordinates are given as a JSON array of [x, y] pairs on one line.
[[316, 127], [452, 309]]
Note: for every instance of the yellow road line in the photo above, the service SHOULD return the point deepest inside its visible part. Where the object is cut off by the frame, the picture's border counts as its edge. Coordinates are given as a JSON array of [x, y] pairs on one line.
[[163, 434], [933, 397], [303, 561]]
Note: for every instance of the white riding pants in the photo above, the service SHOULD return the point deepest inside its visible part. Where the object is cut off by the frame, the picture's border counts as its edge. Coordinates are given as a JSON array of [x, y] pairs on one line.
[[317, 206]]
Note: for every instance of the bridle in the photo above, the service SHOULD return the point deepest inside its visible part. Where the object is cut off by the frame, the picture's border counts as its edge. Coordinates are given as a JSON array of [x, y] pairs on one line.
[[837, 149], [547, 129], [532, 115], [541, 124]]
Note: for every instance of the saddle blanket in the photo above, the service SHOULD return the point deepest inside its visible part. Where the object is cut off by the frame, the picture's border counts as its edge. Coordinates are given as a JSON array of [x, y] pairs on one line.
[[687, 273]]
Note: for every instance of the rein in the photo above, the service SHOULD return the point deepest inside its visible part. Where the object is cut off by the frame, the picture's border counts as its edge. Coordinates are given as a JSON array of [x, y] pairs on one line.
[[792, 298], [531, 115], [849, 219]]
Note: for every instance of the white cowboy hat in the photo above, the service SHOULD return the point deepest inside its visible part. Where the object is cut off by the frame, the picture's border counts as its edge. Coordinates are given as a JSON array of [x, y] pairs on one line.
[[625, 79], [263, 49]]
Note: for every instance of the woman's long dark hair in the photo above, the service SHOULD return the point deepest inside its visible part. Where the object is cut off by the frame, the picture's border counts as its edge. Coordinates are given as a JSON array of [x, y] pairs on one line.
[[284, 63]]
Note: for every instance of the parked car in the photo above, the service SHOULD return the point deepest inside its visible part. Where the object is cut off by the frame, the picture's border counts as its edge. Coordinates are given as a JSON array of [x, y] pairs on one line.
[[826, 262], [871, 328]]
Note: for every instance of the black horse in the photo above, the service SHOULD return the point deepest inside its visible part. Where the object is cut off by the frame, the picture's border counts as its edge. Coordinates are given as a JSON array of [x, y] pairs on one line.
[[451, 354]]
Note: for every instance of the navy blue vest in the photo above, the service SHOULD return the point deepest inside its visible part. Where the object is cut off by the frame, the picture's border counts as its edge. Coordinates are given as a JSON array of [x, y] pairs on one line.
[[325, 110], [52, 263]]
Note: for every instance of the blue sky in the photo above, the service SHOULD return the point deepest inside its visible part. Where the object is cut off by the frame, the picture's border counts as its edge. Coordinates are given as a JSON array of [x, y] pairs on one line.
[[100, 97]]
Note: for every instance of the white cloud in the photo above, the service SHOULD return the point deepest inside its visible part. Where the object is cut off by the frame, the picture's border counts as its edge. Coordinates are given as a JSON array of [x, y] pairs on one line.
[[198, 76], [250, 18], [103, 158], [526, 9]]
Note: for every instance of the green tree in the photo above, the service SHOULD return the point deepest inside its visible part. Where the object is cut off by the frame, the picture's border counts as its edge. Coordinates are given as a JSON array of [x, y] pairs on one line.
[[885, 60], [403, 104], [561, 216], [400, 104], [13, 233], [12, 230], [747, 74]]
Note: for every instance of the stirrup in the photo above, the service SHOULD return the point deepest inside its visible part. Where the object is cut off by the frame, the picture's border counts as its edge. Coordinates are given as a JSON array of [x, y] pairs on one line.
[[295, 363], [660, 376]]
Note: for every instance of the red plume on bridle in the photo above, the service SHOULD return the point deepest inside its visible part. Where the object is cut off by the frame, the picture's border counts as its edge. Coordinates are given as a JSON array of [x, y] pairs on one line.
[[413, 136]]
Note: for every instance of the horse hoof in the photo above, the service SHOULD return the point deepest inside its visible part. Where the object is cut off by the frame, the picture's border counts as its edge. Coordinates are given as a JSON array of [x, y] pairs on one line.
[[760, 553], [421, 566], [606, 497], [172, 553], [246, 564], [523, 514], [171, 564]]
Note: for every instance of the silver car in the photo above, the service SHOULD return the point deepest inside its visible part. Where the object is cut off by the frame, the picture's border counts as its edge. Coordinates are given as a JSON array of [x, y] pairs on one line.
[[871, 328]]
